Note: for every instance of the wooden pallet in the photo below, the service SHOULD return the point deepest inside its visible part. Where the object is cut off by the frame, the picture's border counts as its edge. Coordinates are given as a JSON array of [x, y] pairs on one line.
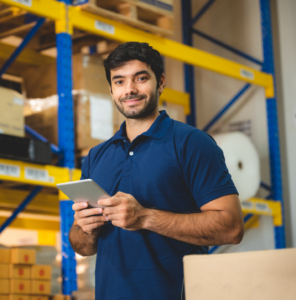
[[137, 13]]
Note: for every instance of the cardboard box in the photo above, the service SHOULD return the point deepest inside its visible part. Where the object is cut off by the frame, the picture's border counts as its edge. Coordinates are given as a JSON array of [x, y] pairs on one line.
[[40, 298], [40, 287], [61, 297], [88, 74], [20, 286], [22, 256], [19, 297], [42, 272], [11, 113], [19, 271], [4, 286], [175, 111], [4, 297], [5, 256], [96, 119], [45, 122], [264, 275], [4, 270], [84, 295]]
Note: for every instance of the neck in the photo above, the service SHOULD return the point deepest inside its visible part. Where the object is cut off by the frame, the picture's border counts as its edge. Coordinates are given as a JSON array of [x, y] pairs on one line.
[[135, 127]]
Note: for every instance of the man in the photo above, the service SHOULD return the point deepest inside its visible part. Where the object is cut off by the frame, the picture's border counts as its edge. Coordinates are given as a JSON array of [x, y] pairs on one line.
[[171, 192]]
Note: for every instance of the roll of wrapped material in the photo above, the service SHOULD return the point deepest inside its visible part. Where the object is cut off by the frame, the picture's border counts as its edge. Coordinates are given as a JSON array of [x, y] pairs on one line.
[[242, 161]]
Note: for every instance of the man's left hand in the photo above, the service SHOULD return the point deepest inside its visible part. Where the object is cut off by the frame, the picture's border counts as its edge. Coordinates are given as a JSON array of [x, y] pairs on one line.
[[124, 211]]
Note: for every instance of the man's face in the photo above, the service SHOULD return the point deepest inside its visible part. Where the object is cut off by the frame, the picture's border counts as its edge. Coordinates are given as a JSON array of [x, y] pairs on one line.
[[134, 89]]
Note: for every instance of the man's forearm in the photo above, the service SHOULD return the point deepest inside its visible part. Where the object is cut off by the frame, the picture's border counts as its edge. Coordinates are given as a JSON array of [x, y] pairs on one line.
[[83, 243], [204, 229]]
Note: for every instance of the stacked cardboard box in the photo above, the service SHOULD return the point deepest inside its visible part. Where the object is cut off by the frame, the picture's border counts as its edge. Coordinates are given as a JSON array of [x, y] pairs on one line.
[[11, 112], [20, 278]]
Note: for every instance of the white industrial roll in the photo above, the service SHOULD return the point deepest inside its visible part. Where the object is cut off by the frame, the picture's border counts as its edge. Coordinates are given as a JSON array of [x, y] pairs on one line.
[[242, 161]]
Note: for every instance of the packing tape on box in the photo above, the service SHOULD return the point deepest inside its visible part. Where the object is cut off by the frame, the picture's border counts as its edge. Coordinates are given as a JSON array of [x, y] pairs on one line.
[[242, 161]]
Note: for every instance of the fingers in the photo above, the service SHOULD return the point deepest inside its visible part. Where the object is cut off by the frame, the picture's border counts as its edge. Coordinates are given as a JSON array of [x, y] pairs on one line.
[[110, 210], [91, 220], [79, 206], [112, 201], [91, 227]]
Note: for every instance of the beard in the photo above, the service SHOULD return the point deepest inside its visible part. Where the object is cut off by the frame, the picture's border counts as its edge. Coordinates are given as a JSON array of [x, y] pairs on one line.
[[134, 113]]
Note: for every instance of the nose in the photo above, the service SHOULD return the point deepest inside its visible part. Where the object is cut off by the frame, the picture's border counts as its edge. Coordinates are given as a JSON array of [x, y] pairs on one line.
[[130, 88]]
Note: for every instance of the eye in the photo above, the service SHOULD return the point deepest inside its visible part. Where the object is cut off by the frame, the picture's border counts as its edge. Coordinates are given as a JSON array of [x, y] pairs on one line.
[[142, 78], [119, 82]]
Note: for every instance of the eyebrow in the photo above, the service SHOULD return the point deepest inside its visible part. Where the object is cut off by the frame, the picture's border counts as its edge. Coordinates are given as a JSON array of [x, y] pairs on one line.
[[136, 74]]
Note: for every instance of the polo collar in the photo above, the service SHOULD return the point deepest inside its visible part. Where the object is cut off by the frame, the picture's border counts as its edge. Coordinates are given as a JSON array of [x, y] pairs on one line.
[[157, 130]]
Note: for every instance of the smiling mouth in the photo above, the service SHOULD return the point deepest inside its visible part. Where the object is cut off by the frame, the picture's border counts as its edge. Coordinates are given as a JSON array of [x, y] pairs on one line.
[[132, 101]]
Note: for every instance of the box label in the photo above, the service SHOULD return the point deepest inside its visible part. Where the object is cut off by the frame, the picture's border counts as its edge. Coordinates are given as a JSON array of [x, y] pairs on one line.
[[37, 174], [18, 101], [24, 2], [247, 205], [10, 170], [102, 26], [247, 74], [262, 207], [101, 118]]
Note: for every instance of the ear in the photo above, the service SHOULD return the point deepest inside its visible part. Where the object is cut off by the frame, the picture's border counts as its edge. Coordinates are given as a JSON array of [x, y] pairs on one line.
[[161, 84]]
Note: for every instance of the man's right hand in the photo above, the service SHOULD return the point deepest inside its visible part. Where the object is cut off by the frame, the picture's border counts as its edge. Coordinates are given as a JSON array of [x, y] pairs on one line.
[[89, 220]]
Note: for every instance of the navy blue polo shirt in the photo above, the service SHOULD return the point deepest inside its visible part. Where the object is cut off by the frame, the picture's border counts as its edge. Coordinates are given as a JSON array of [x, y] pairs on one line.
[[172, 167]]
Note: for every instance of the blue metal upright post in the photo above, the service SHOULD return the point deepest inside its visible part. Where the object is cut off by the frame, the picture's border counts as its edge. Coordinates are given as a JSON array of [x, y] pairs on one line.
[[66, 145], [188, 69], [273, 132]]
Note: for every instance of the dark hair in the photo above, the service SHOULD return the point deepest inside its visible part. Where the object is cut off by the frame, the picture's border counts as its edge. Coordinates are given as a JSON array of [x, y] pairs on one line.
[[134, 51]]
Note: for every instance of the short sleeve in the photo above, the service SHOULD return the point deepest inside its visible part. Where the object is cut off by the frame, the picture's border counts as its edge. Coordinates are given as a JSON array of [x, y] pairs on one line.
[[85, 168], [204, 168]]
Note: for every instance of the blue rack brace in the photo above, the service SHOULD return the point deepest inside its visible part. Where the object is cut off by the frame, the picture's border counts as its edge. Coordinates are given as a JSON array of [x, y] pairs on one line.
[[23, 44], [31, 132], [21, 207], [273, 132]]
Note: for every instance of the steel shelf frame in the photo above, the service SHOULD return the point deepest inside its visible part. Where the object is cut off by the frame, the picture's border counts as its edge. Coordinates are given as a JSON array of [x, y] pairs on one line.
[[271, 104], [66, 17]]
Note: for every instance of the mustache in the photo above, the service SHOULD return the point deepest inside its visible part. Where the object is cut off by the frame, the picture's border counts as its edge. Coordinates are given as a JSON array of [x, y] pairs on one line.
[[131, 97]]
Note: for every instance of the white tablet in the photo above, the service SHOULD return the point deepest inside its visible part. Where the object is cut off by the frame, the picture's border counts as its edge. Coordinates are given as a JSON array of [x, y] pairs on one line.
[[84, 191]]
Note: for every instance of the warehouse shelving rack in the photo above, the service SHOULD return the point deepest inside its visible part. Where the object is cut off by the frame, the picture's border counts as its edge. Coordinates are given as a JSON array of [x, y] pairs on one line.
[[267, 66], [67, 17]]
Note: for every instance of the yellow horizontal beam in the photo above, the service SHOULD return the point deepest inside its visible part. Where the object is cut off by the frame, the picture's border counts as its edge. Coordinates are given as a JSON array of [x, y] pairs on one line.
[[264, 207], [32, 222], [42, 203], [176, 97], [32, 173], [44, 8], [123, 33], [26, 56], [253, 222]]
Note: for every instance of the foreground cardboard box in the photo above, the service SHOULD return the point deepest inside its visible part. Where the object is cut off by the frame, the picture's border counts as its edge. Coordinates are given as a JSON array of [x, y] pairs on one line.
[[19, 297], [88, 74], [11, 113], [41, 272], [5, 256], [4, 286], [40, 287], [4, 271], [4, 297], [19, 271], [20, 286], [22, 256], [40, 298], [61, 297], [260, 275]]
